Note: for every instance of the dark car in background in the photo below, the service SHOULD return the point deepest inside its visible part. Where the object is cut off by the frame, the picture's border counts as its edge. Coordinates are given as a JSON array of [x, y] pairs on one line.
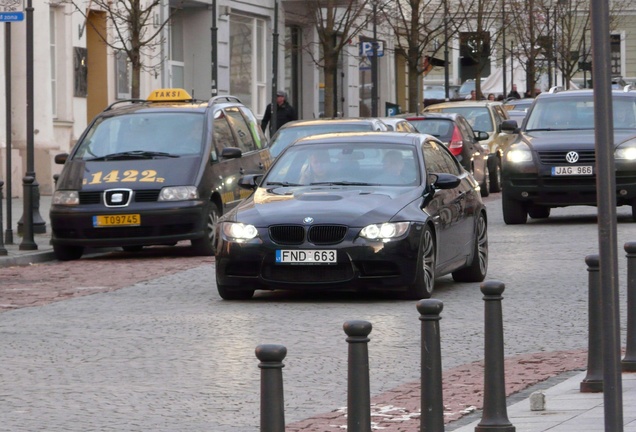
[[291, 131], [355, 211], [464, 143], [155, 172], [485, 116], [553, 162]]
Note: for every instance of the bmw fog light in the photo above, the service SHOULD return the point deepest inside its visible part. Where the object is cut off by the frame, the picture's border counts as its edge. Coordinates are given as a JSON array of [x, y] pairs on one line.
[[66, 197], [178, 193]]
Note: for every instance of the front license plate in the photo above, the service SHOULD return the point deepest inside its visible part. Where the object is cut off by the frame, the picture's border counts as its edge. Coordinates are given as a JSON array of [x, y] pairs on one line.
[[117, 220], [572, 170], [306, 257]]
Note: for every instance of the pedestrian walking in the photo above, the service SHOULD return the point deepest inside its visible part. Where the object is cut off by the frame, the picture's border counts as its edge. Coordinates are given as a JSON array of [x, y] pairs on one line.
[[284, 113]]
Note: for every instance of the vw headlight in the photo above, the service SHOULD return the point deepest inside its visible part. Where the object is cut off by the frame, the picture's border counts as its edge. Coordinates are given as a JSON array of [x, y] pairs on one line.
[[238, 231], [519, 154], [385, 231], [626, 151], [66, 197], [178, 193]]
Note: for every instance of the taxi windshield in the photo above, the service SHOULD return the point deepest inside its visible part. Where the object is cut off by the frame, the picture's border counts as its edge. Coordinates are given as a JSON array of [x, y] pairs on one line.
[[144, 135]]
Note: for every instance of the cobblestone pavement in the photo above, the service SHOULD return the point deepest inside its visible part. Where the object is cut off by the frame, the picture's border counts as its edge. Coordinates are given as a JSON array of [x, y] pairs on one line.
[[396, 409]]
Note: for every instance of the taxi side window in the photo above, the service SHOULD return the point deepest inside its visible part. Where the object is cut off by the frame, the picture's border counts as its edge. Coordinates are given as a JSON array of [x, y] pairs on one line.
[[222, 135], [257, 132], [239, 124]]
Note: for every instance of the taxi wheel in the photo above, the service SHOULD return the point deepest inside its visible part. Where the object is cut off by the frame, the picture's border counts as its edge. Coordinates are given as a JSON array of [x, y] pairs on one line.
[[67, 253], [205, 246], [484, 187], [424, 282]]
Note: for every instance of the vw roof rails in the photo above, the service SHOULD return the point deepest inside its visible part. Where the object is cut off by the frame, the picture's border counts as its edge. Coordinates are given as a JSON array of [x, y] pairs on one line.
[[555, 89]]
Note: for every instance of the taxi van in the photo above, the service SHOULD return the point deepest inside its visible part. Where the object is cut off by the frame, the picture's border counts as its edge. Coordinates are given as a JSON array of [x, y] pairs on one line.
[[155, 172]]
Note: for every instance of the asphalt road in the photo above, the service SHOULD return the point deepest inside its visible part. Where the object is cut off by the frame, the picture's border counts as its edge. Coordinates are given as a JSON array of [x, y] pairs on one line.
[[154, 348]]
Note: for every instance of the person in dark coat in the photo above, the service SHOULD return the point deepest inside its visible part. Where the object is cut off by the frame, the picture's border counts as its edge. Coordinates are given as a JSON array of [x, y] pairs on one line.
[[514, 93], [284, 112]]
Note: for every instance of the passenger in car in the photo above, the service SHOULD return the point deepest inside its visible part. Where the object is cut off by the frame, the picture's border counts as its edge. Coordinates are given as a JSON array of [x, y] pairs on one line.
[[318, 169]]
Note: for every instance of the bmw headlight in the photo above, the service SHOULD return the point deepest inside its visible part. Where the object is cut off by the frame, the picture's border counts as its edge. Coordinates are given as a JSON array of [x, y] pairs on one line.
[[66, 197], [519, 154], [238, 231], [626, 151], [385, 231], [178, 193]]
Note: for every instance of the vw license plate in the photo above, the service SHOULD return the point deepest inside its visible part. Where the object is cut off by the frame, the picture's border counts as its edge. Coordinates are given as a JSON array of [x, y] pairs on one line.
[[117, 220], [306, 257], [572, 170]]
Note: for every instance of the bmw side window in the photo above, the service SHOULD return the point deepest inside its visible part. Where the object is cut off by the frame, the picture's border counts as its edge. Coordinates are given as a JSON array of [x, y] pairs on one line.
[[239, 124]]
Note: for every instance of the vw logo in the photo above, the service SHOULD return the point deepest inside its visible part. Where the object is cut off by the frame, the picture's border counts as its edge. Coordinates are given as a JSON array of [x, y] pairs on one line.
[[572, 157], [308, 220]]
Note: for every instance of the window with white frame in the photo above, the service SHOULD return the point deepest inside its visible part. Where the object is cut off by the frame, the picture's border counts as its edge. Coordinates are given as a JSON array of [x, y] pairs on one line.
[[53, 49], [247, 63], [176, 62], [123, 74]]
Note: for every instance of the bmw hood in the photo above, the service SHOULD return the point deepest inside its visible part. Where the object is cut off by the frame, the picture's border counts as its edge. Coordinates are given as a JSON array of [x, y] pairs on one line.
[[569, 139], [353, 206]]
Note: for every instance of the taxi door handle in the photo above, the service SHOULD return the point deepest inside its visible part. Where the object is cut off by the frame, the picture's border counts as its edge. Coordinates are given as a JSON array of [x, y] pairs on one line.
[[241, 171], [261, 166]]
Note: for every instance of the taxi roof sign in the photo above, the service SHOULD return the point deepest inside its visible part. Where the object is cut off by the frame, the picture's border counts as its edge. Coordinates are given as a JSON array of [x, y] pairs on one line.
[[169, 95]]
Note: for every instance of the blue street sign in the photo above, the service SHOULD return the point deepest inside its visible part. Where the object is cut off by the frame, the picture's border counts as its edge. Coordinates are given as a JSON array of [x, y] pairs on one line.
[[11, 16], [366, 48]]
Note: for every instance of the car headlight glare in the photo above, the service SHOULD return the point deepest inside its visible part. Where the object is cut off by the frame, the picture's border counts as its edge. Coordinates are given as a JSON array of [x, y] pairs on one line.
[[66, 197], [626, 152], [519, 155], [239, 231], [178, 193], [385, 231]]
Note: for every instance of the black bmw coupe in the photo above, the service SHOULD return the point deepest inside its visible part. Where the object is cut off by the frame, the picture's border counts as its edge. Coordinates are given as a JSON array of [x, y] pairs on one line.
[[355, 211]]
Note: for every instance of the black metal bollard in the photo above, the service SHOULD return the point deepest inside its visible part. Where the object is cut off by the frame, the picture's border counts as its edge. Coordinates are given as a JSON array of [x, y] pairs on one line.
[[28, 242], [358, 390], [495, 414], [629, 361], [593, 381], [272, 400], [432, 405], [3, 250]]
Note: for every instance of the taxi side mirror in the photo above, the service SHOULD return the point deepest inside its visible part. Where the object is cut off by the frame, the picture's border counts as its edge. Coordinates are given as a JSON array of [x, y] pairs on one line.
[[61, 158], [231, 153], [510, 126]]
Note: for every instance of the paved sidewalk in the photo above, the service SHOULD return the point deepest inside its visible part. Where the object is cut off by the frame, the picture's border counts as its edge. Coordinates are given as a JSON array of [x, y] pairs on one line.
[[569, 410], [16, 254]]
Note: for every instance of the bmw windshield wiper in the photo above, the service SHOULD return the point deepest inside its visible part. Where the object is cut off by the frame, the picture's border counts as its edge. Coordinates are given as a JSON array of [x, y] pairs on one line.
[[282, 184], [136, 154], [342, 183]]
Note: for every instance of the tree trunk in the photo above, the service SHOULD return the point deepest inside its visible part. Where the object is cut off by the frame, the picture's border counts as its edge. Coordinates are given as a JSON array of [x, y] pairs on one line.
[[330, 71], [414, 94]]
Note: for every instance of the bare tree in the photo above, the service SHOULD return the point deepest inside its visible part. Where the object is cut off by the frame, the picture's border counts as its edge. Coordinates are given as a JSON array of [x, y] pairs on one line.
[[337, 22], [131, 30]]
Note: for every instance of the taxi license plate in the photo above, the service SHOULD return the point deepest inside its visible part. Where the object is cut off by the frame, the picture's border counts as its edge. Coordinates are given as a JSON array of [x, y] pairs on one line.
[[572, 170], [306, 257], [116, 220]]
